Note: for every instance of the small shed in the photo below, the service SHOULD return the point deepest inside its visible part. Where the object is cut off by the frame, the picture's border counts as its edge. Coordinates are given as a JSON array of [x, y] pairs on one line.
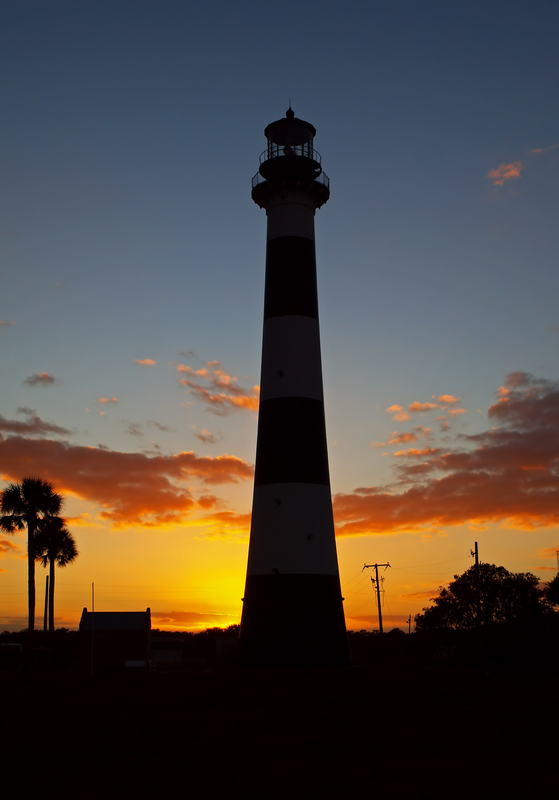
[[114, 640]]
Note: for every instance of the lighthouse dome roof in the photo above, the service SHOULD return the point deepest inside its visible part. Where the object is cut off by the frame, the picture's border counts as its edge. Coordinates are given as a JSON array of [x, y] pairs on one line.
[[290, 130]]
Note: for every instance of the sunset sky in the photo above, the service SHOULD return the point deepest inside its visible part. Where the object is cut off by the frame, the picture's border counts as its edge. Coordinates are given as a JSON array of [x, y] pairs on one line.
[[132, 286]]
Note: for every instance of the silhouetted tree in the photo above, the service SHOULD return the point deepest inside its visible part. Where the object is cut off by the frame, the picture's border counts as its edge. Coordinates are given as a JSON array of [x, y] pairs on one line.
[[23, 505], [54, 545], [505, 597], [552, 591]]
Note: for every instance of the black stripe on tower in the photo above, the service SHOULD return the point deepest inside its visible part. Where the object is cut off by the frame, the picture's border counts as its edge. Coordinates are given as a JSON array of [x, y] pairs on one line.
[[293, 619], [291, 442], [290, 278]]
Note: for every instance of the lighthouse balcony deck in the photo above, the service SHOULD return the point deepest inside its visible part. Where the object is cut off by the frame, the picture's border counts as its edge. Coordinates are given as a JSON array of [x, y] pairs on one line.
[[321, 179]]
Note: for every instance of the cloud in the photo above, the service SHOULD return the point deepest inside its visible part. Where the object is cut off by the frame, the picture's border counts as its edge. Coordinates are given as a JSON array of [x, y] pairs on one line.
[[134, 429], [40, 379], [429, 595], [402, 438], [427, 451], [505, 172], [108, 400], [159, 426], [508, 474], [443, 401], [131, 488], [420, 408], [6, 324], [454, 412], [526, 401], [8, 548], [226, 523], [548, 552], [220, 392], [540, 150], [33, 425], [399, 413], [204, 435], [419, 432], [146, 362]]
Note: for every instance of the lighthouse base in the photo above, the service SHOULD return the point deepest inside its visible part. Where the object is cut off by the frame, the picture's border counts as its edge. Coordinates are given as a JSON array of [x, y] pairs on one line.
[[293, 620]]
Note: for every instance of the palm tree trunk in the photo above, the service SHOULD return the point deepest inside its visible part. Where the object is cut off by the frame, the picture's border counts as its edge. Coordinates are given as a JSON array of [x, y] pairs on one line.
[[51, 596], [31, 577]]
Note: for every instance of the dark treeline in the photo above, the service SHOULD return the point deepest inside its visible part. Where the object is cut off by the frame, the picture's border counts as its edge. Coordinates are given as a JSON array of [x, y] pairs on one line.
[[497, 648], [487, 618]]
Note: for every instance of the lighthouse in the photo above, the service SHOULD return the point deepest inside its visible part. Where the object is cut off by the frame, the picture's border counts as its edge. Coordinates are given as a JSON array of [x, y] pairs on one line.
[[292, 606]]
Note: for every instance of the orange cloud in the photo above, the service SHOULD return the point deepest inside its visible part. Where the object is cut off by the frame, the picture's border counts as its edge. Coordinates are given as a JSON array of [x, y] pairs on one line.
[[402, 438], [5, 324], [548, 552], [420, 408], [413, 452], [447, 399], [508, 474], [399, 413], [146, 362], [505, 172], [131, 488], [220, 392], [107, 400], [8, 548], [226, 522]]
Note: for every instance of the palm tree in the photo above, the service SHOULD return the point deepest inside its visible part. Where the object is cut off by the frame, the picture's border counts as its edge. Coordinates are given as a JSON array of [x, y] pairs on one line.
[[24, 505], [54, 544]]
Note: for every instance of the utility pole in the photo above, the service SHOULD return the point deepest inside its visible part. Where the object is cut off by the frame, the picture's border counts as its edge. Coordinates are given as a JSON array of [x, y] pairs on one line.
[[46, 604], [409, 624], [377, 581], [475, 554]]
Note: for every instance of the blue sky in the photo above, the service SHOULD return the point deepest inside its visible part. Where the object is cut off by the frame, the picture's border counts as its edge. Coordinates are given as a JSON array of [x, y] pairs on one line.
[[131, 133]]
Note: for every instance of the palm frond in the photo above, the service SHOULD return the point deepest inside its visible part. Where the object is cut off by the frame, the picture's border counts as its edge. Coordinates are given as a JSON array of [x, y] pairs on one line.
[[12, 523], [54, 542]]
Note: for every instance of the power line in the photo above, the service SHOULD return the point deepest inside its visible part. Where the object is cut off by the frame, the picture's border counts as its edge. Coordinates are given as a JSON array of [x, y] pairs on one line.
[[434, 564]]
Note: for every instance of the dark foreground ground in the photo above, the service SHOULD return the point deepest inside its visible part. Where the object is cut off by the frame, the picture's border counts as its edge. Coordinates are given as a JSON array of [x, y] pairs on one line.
[[392, 730]]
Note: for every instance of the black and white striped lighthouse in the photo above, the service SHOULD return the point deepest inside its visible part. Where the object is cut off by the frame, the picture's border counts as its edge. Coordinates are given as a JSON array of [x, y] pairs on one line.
[[292, 609]]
